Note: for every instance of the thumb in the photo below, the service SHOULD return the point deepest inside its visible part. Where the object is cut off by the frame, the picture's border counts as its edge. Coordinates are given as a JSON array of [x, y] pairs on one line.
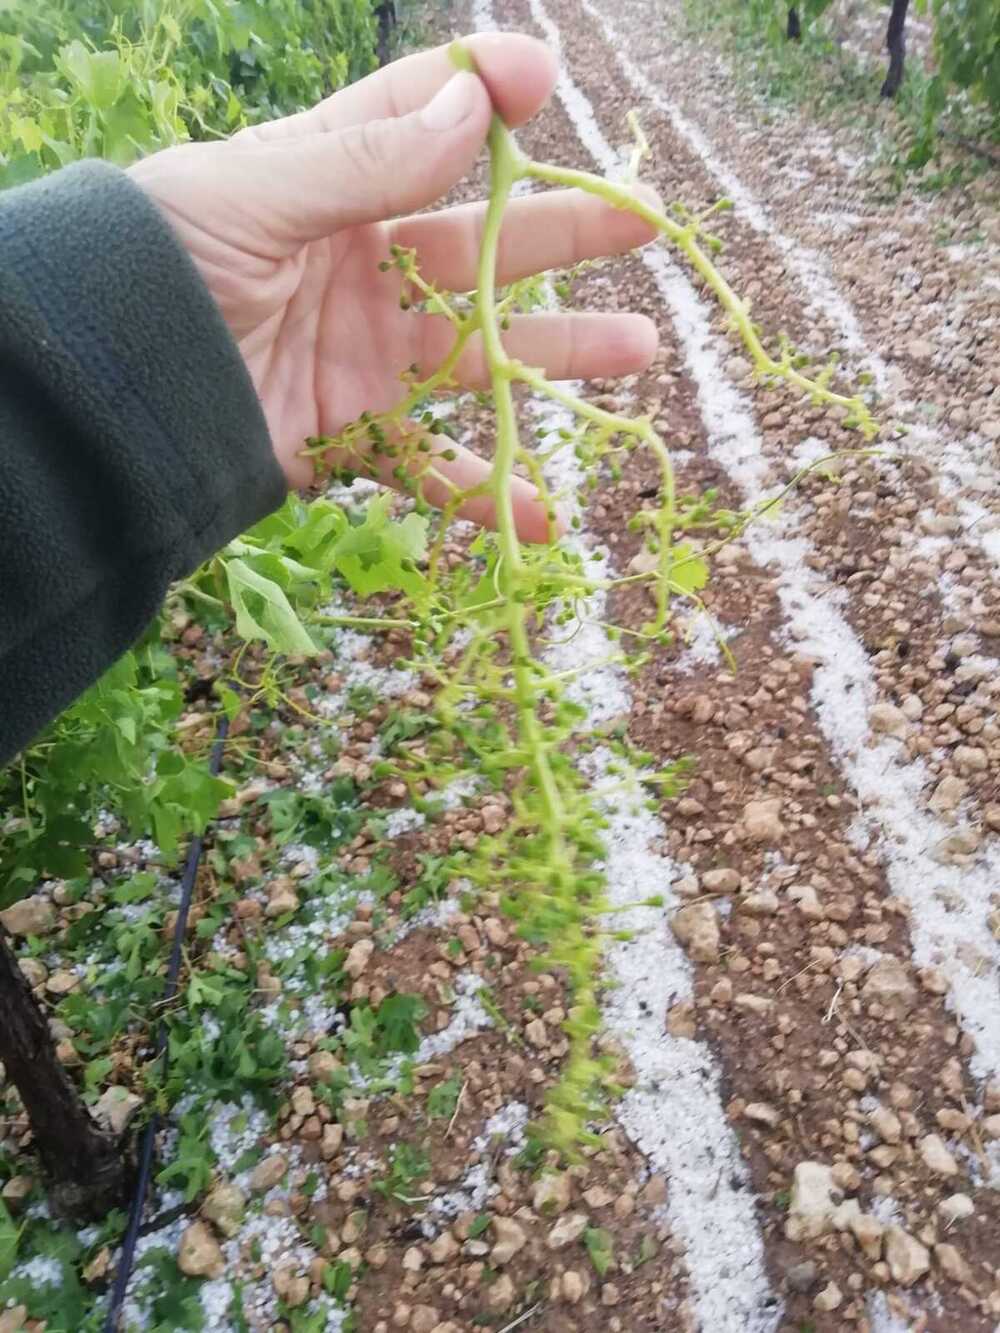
[[322, 182]]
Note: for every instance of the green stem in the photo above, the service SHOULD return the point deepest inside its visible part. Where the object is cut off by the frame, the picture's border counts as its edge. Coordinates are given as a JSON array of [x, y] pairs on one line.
[[685, 239], [363, 622], [574, 946]]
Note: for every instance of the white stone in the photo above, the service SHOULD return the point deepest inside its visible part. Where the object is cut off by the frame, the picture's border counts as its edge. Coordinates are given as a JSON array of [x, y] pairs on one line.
[[115, 1108], [908, 1260], [813, 1200], [762, 820], [30, 916], [936, 1156]]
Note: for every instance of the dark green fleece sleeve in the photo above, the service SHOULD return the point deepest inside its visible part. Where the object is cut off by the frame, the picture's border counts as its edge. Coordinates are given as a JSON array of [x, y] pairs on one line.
[[132, 444]]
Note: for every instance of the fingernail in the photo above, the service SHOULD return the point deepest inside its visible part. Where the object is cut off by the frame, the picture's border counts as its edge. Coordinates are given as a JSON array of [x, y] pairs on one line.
[[452, 103]]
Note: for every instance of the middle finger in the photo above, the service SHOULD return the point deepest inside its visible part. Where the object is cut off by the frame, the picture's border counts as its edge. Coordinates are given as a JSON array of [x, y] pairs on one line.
[[555, 229]]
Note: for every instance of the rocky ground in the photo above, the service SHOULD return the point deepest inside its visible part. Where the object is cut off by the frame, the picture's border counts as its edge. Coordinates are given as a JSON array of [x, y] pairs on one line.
[[837, 842], [810, 1138]]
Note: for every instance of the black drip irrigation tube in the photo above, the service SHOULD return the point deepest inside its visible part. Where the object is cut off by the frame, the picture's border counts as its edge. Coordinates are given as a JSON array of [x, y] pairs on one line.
[[147, 1150]]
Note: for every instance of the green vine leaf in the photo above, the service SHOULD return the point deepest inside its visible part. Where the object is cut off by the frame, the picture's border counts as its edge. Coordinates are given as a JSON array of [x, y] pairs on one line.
[[378, 554], [100, 77], [688, 572], [9, 1240], [264, 612], [601, 1248]]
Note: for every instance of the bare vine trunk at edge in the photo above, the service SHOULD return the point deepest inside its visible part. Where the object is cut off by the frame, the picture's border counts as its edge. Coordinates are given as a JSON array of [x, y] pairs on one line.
[[86, 1172]]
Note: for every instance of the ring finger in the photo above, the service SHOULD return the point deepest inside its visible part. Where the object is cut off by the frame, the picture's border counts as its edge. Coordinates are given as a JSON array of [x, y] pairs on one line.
[[582, 345]]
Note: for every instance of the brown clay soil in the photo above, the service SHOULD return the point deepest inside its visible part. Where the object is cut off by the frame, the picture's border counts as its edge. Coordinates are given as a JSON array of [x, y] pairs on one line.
[[837, 1035]]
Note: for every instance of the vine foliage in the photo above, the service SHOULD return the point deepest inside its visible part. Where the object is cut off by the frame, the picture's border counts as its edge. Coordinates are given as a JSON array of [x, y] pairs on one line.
[[505, 714], [106, 78], [964, 79]]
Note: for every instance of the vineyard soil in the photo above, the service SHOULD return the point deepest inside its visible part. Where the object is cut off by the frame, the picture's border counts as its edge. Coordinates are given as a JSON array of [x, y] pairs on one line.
[[809, 1138]]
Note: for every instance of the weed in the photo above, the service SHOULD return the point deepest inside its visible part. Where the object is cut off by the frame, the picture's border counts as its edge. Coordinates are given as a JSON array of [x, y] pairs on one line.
[[407, 1165]]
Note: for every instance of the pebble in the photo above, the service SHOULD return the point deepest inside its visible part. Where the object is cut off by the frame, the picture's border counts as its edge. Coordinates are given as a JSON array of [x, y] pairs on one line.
[[15, 1191], [654, 1191], [888, 720], [34, 970], [413, 1259], [567, 1230], [908, 1260], [322, 1066], [501, 1294], [443, 1248], [829, 1298], [886, 1125], [537, 1033], [115, 1108], [574, 1286], [358, 958], [292, 1287], [282, 901], [763, 1114], [30, 916], [947, 794], [936, 1156], [682, 1021], [303, 1101], [696, 927], [225, 1207], [921, 349], [721, 881], [956, 1207], [802, 1277], [762, 820], [199, 1253], [868, 1231], [330, 1144], [814, 1198], [552, 1193], [424, 1318], [268, 1172], [62, 982], [952, 1264], [888, 984], [807, 900], [599, 1197], [510, 1236], [762, 903]]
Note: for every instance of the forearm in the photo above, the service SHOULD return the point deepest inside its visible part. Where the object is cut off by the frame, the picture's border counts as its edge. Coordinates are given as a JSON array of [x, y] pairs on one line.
[[132, 444]]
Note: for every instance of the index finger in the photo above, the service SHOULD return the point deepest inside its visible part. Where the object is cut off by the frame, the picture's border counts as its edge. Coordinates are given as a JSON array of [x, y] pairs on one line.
[[519, 73]]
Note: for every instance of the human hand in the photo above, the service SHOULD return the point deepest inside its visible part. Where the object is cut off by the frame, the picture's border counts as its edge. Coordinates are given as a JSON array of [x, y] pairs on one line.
[[287, 223]]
